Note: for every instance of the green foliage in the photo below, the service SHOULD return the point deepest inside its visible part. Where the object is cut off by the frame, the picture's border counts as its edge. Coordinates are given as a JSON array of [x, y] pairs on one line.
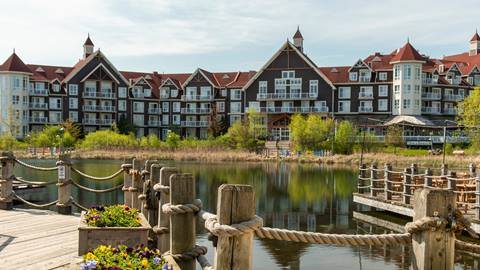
[[123, 257], [112, 216], [345, 138], [8, 142], [124, 126], [74, 129], [394, 136], [448, 149], [370, 142], [50, 136], [409, 152], [311, 133], [469, 116], [249, 133], [105, 139]]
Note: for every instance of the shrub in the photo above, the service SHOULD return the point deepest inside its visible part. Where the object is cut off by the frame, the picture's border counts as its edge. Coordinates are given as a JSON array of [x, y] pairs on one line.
[[173, 139], [104, 139], [123, 257], [344, 138], [112, 216], [8, 142]]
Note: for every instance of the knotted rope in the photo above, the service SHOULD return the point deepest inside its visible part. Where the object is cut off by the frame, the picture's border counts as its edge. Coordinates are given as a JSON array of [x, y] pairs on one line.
[[192, 254], [248, 226], [160, 230], [182, 208], [161, 188]]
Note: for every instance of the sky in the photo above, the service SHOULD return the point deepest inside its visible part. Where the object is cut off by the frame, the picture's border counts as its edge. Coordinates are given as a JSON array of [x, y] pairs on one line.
[[181, 35]]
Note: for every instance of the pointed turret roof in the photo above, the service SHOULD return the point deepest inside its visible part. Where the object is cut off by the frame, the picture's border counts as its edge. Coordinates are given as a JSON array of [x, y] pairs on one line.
[[298, 34], [475, 37], [15, 64], [407, 53], [88, 41]]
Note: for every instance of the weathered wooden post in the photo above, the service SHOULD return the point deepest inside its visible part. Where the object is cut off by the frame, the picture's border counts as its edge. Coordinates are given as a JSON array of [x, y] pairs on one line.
[[236, 204], [64, 204], [428, 178], [387, 180], [444, 170], [472, 169], [407, 181], [361, 176], [145, 183], [127, 184], [152, 200], [162, 230], [182, 226], [6, 181], [433, 249], [136, 188], [373, 180], [477, 197], [451, 180]]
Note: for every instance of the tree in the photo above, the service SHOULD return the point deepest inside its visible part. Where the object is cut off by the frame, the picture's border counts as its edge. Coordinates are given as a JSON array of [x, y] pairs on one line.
[[312, 132], [469, 116], [297, 132], [74, 129], [173, 139], [394, 137], [124, 126], [249, 132], [344, 138]]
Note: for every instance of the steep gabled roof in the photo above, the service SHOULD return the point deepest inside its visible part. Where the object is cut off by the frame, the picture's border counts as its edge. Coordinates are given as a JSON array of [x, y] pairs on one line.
[[14, 64], [49, 72], [88, 41], [298, 34], [475, 37], [206, 74], [407, 53]]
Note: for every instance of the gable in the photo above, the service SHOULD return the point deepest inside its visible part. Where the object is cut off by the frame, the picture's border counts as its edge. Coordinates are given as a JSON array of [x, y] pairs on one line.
[[359, 65], [199, 78]]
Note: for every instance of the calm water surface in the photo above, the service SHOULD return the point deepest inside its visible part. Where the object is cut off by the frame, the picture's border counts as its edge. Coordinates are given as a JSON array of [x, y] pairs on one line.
[[306, 197]]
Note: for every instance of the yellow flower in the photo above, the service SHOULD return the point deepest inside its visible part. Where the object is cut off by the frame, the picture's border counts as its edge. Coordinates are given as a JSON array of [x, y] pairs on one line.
[[90, 256], [145, 263]]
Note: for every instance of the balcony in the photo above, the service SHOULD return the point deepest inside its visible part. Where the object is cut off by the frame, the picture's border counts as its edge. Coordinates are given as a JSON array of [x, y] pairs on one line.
[[362, 109], [454, 81], [101, 122], [196, 110], [164, 96], [285, 96], [39, 120], [293, 109], [364, 79], [431, 110], [203, 123], [429, 81], [98, 108], [154, 123], [197, 97], [153, 110], [38, 105], [101, 95], [55, 121], [429, 95], [452, 97], [138, 95], [450, 111], [38, 92], [363, 95]]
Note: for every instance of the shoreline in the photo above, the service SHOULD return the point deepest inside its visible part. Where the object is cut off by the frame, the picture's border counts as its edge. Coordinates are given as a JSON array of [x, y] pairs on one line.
[[222, 155]]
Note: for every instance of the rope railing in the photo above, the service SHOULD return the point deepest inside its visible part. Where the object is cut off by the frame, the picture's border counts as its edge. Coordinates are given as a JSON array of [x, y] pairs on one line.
[[37, 183], [16, 196], [46, 169], [117, 173], [95, 190], [77, 204]]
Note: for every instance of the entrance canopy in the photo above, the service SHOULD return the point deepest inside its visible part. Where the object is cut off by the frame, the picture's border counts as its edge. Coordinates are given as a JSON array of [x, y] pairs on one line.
[[409, 120]]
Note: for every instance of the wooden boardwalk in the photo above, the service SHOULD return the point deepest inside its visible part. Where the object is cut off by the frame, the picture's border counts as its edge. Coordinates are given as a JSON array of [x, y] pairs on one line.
[[38, 239]]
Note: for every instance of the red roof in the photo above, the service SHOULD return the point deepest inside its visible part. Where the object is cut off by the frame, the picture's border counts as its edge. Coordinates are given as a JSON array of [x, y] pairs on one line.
[[298, 34], [49, 73], [88, 41], [336, 74], [475, 37], [15, 64], [407, 53]]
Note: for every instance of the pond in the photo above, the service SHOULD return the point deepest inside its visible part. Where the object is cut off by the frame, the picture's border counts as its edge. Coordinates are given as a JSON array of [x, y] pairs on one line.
[[307, 197]]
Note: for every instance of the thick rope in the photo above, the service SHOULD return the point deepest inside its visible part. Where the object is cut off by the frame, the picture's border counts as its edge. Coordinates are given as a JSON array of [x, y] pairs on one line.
[[33, 204], [160, 230], [78, 204], [248, 226], [98, 178], [192, 254], [206, 215], [35, 167], [95, 190], [424, 224], [21, 180], [170, 209], [204, 263], [161, 188]]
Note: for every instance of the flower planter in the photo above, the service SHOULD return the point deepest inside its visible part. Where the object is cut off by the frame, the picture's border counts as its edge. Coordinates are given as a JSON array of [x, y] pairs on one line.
[[90, 237]]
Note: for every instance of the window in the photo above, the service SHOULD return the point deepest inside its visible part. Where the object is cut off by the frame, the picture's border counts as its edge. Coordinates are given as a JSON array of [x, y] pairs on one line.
[[396, 72], [17, 83], [365, 75], [138, 119], [73, 115], [366, 92], [235, 118], [406, 103], [417, 73], [73, 103], [396, 103], [262, 87], [55, 103], [417, 89], [176, 119], [91, 86], [164, 92], [73, 89], [383, 90], [25, 100], [39, 86], [344, 106], [255, 105], [221, 107], [147, 92], [344, 92], [235, 107], [407, 88], [223, 93], [280, 86], [56, 88], [165, 107], [165, 119], [55, 117], [236, 94], [122, 105], [353, 76], [407, 75], [174, 93], [417, 103], [461, 92], [382, 104], [397, 89], [15, 100], [138, 107], [106, 86], [313, 88], [288, 74], [122, 92], [382, 76], [176, 106], [206, 91]]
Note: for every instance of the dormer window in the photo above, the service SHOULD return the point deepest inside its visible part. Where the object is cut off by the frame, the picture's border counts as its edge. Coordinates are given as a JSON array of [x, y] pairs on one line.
[[39, 69], [56, 88], [174, 93], [382, 76], [164, 92], [147, 92], [226, 77], [441, 68], [435, 77], [353, 76], [288, 74], [470, 80]]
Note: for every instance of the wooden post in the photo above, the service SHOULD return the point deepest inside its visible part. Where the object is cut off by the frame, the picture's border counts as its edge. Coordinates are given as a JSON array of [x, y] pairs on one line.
[[472, 169], [163, 235], [182, 226], [136, 183], [387, 179], [6, 180], [145, 183], [407, 181], [444, 170], [64, 205], [477, 197], [127, 183], [152, 199], [433, 249], [428, 178], [362, 175], [451, 184], [236, 203], [373, 178]]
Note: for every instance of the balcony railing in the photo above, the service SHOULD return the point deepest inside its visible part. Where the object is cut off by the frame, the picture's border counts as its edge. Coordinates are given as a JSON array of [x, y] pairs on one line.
[[431, 95], [39, 92], [365, 109], [203, 123], [364, 79], [196, 97], [93, 121], [38, 105], [450, 111], [154, 123], [196, 110], [452, 97], [153, 110], [365, 95], [293, 109], [455, 81], [286, 96], [98, 108], [40, 120], [105, 95], [429, 81], [431, 110]]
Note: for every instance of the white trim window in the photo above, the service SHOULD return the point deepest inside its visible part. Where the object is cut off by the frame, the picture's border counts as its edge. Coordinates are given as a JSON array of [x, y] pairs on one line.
[[122, 105], [288, 74], [406, 103], [407, 75], [396, 103], [165, 106], [396, 72], [262, 87], [366, 92], [382, 76], [174, 93], [164, 92], [313, 89], [138, 107], [344, 106], [344, 92], [396, 89], [255, 105], [165, 119], [73, 103], [383, 90], [382, 105], [353, 76], [175, 119], [122, 92], [73, 115], [236, 94], [56, 87], [221, 107], [235, 107], [223, 92], [280, 86], [175, 106], [73, 89]]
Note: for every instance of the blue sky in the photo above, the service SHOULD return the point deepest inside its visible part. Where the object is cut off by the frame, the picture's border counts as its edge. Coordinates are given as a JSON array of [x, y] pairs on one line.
[[178, 36]]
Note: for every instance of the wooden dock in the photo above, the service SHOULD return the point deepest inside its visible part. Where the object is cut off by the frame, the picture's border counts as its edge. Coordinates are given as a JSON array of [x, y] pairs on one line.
[[38, 239]]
